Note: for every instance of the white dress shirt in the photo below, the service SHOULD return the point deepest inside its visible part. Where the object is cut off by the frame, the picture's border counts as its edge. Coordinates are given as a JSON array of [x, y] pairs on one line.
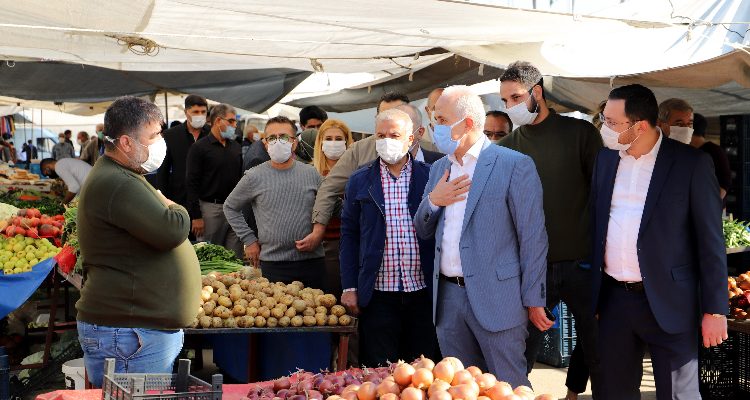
[[420, 155], [450, 256], [628, 199]]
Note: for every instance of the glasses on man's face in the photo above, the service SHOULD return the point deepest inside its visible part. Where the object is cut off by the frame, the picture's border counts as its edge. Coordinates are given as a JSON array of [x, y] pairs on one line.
[[612, 124], [230, 120], [495, 134], [284, 138]]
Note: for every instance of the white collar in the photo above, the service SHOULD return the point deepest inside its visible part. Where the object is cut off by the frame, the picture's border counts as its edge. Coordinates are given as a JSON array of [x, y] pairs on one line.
[[654, 150], [474, 151]]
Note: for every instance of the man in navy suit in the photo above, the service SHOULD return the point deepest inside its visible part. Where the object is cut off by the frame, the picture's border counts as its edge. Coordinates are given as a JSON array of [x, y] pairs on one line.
[[659, 261], [386, 272], [483, 207]]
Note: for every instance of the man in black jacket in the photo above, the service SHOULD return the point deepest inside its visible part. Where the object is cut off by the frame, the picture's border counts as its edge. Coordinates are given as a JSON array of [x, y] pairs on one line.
[[170, 177]]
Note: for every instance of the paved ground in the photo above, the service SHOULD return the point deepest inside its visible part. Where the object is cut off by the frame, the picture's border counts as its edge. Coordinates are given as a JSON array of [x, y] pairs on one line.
[[546, 379]]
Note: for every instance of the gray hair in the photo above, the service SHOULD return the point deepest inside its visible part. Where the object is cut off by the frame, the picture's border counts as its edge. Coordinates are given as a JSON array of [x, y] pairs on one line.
[[667, 106], [126, 115], [466, 104], [414, 114], [220, 110], [394, 114]]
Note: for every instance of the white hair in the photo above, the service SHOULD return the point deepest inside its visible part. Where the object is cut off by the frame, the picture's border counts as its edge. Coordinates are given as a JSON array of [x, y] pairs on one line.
[[395, 115], [466, 104]]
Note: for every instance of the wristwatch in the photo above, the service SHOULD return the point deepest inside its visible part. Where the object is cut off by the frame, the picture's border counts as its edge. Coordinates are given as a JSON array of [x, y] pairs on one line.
[[350, 290]]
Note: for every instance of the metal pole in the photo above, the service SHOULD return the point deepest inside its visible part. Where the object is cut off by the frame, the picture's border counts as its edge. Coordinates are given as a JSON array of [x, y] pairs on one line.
[[166, 109]]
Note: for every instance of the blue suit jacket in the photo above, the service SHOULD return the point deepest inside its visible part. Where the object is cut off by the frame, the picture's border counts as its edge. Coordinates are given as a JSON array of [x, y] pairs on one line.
[[680, 242], [363, 228], [503, 242]]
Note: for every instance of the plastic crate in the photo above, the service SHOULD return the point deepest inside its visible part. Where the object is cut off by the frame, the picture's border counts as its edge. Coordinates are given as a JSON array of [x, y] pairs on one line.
[[558, 342], [181, 385], [725, 369]]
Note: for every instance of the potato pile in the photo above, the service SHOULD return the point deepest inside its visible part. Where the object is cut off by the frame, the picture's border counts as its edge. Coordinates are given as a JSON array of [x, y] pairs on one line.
[[228, 301], [739, 296]]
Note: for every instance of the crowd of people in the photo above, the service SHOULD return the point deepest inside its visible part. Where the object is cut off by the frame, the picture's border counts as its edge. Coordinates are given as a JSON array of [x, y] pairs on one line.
[[458, 252]]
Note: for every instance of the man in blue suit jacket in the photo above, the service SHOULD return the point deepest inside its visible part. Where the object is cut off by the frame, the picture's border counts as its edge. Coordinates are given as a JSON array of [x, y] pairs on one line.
[[385, 270], [491, 245], [659, 261]]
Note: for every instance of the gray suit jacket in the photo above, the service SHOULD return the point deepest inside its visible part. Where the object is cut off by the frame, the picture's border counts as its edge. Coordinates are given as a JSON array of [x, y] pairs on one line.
[[503, 242]]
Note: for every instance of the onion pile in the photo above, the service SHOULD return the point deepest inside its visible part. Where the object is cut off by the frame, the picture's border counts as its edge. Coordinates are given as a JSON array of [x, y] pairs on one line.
[[229, 301], [420, 380]]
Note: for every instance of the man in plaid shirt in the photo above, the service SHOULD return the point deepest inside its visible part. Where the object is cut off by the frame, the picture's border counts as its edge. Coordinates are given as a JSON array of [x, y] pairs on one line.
[[386, 271]]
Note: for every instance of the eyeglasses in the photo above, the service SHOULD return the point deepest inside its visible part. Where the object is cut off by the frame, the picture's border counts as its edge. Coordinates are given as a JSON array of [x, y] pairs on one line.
[[230, 120], [495, 133], [284, 138], [612, 124]]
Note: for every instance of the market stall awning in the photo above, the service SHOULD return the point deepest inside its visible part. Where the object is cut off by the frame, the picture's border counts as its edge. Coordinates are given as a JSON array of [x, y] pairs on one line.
[[254, 90], [417, 84]]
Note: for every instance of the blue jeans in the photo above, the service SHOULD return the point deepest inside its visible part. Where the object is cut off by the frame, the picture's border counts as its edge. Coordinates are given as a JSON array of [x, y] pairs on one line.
[[135, 350]]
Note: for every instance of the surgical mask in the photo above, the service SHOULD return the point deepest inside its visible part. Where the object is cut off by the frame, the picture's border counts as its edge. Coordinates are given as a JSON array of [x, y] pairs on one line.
[[197, 121], [279, 151], [256, 137], [681, 134], [443, 140], [390, 150], [229, 133], [610, 138], [61, 139], [100, 135], [333, 149], [80, 142], [520, 114], [156, 153]]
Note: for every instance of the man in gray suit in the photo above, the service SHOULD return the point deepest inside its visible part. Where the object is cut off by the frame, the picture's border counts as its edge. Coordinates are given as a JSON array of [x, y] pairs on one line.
[[478, 194]]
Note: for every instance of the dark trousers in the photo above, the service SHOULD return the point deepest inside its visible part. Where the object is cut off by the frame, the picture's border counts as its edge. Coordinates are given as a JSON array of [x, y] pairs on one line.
[[397, 326], [578, 371], [626, 328], [310, 272], [569, 282]]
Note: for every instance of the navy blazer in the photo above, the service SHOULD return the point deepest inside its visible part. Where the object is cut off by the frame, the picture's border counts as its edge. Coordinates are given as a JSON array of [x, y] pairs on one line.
[[680, 244], [363, 228]]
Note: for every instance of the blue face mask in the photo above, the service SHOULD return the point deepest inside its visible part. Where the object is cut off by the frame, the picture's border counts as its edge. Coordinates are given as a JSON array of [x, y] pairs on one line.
[[442, 136], [229, 133]]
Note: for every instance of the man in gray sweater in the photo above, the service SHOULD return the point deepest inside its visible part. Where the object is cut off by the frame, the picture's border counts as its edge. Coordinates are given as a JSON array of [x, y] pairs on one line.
[[282, 194]]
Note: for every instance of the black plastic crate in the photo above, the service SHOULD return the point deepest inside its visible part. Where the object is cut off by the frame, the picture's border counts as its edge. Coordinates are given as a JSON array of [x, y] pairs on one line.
[[4, 375], [725, 369], [558, 342]]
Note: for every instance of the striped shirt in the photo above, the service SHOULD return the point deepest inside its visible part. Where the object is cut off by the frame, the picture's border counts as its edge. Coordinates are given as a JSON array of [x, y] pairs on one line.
[[401, 269]]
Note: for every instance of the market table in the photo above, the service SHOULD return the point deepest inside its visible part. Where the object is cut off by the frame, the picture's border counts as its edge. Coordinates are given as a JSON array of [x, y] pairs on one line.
[[252, 341], [229, 392]]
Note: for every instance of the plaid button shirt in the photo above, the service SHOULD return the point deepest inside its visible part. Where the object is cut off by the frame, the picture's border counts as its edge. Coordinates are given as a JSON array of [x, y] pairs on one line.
[[401, 269]]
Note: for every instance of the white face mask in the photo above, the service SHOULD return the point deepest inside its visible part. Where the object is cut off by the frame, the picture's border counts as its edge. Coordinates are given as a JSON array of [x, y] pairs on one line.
[[611, 138], [279, 151], [520, 114], [256, 136], [390, 150], [197, 121], [156, 153], [333, 149], [681, 134]]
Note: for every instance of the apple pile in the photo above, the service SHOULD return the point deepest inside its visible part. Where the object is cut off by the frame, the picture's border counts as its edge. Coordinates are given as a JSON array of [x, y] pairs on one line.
[[32, 223]]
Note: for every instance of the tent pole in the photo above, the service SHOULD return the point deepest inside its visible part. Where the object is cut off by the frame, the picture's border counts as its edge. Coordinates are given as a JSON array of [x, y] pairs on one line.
[[166, 109]]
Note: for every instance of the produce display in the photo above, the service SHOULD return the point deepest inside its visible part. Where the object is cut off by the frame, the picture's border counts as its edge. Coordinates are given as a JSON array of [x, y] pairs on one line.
[[739, 296], [7, 211], [32, 223], [31, 199], [214, 258], [19, 254], [420, 380], [736, 233], [70, 260], [233, 301]]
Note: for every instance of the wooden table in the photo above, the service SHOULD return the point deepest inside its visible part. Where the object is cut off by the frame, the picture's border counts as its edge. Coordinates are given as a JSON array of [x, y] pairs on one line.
[[343, 348]]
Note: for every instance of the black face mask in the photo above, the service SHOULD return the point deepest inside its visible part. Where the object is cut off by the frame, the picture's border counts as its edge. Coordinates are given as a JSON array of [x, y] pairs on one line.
[[52, 175]]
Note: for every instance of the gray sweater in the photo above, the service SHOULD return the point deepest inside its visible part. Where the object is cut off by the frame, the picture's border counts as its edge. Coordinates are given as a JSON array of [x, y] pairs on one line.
[[282, 201]]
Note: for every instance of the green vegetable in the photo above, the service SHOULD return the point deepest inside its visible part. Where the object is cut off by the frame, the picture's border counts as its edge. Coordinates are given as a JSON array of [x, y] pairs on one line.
[[736, 233], [225, 267], [46, 205], [212, 252]]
